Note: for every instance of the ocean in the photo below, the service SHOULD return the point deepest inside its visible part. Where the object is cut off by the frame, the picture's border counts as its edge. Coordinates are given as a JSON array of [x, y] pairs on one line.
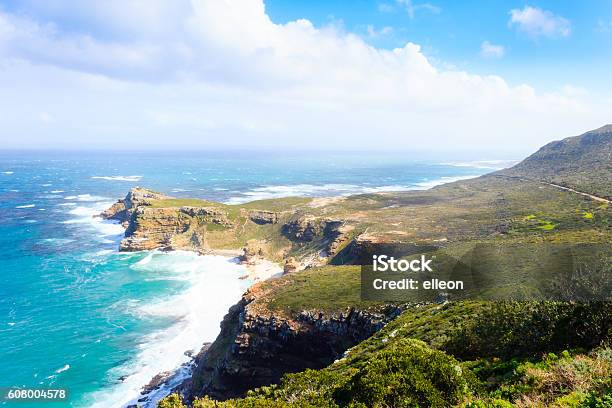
[[77, 314]]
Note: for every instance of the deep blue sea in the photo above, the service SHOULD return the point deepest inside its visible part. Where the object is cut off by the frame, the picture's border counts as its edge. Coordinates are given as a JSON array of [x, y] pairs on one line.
[[77, 314]]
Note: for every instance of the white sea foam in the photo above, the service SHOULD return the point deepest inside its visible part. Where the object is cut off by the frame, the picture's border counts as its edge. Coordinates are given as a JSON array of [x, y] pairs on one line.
[[86, 198], [7, 172], [57, 240], [484, 164], [427, 184], [26, 206], [88, 215], [313, 190], [57, 191], [62, 369], [214, 286], [67, 204], [118, 178]]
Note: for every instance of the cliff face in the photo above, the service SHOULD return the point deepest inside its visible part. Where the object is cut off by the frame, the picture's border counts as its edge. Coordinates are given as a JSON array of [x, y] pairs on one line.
[[123, 209], [330, 234], [257, 346]]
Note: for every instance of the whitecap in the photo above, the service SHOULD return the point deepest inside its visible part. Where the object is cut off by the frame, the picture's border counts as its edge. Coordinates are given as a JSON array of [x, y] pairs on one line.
[[118, 178], [57, 240], [62, 369], [86, 198], [57, 191], [484, 164], [26, 206], [87, 215], [67, 204], [7, 172], [327, 190]]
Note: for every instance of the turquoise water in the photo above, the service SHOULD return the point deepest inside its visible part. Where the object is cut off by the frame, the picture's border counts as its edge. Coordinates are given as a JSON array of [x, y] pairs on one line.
[[77, 314]]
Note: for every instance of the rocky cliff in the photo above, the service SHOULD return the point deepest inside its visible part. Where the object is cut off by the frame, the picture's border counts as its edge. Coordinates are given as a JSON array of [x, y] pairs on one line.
[[257, 346], [156, 221], [123, 209]]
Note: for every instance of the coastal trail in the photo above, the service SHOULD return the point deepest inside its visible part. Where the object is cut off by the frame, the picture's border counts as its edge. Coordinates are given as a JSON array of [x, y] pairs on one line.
[[557, 186]]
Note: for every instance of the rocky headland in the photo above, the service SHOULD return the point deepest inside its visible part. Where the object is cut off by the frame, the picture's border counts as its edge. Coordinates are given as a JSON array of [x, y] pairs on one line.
[[313, 314]]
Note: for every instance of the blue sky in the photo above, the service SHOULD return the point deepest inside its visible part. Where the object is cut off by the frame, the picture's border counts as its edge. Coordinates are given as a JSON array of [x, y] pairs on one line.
[[470, 76], [453, 31]]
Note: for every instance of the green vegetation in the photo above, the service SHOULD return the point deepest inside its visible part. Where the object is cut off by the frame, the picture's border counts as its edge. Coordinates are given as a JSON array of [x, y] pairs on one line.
[[410, 362], [527, 329], [182, 202], [328, 289], [470, 354], [276, 204], [408, 374], [567, 379]]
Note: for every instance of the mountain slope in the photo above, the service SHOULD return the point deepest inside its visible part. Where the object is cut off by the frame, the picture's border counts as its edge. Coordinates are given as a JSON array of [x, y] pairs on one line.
[[583, 163]]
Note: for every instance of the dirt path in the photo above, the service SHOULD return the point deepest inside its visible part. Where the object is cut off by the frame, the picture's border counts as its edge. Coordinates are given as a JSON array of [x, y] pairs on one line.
[[591, 196]]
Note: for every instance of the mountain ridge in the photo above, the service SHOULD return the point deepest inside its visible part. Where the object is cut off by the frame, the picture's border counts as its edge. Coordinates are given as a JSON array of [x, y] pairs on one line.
[[582, 162]]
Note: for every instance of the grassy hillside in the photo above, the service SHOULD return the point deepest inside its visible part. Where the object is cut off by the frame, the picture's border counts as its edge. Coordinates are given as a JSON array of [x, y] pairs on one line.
[[582, 162], [411, 363], [462, 353]]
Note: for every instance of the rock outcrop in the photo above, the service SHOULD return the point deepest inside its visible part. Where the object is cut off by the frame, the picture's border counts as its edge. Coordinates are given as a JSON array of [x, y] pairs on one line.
[[151, 228], [252, 252], [171, 227], [263, 217], [123, 209], [304, 228], [333, 233], [291, 265], [256, 347]]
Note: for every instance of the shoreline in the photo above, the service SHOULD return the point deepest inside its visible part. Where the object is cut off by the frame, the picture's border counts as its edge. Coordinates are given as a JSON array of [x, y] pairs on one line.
[[167, 382]]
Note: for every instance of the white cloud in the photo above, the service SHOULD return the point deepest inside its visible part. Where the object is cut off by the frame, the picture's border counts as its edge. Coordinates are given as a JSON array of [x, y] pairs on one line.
[[374, 33], [488, 50], [386, 8], [604, 26], [219, 73], [536, 23], [412, 8], [409, 7]]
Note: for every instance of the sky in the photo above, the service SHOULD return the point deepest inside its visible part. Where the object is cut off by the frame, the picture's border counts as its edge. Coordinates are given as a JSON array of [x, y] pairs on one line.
[[497, 77]]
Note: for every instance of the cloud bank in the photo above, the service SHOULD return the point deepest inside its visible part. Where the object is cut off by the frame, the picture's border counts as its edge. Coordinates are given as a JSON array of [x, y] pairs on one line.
[[220, 73]]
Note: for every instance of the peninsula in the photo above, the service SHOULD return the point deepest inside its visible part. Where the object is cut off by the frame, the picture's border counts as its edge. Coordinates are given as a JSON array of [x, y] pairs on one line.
[[307, 339]]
